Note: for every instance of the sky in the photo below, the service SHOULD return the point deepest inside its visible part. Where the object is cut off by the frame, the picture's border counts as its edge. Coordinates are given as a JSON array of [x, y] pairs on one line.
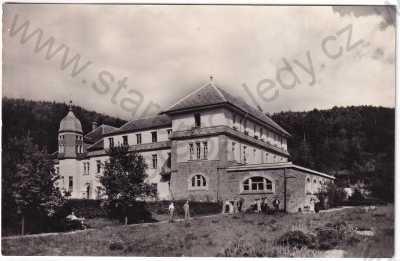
[[137, 60]]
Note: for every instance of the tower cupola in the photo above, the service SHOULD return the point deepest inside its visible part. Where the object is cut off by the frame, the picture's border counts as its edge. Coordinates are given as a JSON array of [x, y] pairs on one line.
[[70, 135]]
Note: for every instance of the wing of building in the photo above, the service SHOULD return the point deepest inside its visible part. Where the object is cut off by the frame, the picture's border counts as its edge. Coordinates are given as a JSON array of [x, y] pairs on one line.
[[208, 146]]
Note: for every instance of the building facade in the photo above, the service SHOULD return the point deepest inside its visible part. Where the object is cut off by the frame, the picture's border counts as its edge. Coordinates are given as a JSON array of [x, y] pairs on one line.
[[208, 146]]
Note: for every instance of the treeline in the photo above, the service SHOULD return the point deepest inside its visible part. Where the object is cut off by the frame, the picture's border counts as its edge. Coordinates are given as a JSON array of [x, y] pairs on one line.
[[352, 143], [42, 119]]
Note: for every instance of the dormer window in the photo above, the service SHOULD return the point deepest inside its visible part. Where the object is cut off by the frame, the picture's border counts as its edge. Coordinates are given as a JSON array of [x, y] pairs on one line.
[[154, 136], [125, 140], [197, 120]]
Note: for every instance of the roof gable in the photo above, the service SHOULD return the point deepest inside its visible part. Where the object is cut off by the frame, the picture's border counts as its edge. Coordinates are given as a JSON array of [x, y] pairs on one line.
[[206, 95], [98, 133], [209, 94], [146, 123]]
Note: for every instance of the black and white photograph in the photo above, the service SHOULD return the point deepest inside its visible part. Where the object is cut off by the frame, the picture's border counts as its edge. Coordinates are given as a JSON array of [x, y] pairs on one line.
[[198, 130]]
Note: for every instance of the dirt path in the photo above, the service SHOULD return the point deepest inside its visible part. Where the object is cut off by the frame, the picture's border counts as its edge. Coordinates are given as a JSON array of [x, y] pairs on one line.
[[334, 253], [335, 209]]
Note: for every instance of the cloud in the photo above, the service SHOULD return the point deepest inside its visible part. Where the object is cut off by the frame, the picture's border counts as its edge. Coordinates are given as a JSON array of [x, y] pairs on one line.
[[386, 12]]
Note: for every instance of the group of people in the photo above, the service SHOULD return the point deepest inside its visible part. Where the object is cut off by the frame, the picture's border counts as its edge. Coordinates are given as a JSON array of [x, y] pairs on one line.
[[171, 211], [261, 205]]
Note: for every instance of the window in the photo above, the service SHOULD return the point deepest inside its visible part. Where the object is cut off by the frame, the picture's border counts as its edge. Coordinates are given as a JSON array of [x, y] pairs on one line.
[[139, 138], [197, 120], [198, 150], [98, 163], [198, 181], [154, 160], [261, 133], [233, 151], [169, 131], [205, 150], [169, 160], [153, 136], [70, 183], [191, 151], [308, 185], [244, 155], [125, 140], [86, 167], [111, 141], [257, 184]]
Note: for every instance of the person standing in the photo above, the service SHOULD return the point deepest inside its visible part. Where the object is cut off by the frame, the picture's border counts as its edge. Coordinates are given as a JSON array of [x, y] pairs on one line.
[[171, 209], [258, 202], [276, 203], [187, 211]]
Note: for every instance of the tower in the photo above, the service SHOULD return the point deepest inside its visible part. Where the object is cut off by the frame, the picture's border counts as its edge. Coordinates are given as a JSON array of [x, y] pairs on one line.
[[70, 136]]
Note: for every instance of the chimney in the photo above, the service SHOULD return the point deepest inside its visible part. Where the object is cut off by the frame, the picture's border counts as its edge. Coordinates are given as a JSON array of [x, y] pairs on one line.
[[94, 125]]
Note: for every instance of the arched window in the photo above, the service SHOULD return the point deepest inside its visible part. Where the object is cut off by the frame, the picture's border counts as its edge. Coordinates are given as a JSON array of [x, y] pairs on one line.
[[257, 184], [198, 182]]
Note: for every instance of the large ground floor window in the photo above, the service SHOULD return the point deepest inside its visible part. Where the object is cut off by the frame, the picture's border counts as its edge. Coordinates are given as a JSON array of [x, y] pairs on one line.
[[257, 184]]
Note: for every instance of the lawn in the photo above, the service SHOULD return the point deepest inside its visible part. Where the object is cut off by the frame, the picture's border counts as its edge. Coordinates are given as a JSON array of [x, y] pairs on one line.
[[222, 235]]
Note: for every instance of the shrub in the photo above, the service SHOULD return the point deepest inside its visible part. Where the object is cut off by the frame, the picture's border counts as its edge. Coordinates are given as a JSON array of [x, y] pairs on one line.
[[241, 248], [116, 246], [327, 238], [335, 194], [297, 239], [87, 208]]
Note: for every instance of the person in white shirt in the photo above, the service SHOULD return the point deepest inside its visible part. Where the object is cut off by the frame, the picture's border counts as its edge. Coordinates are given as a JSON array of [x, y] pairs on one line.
[[187, 211], [171, 209], [72, 216]]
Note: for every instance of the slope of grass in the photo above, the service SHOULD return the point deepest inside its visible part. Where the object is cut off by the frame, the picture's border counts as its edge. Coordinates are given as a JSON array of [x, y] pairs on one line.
[[214, 236]]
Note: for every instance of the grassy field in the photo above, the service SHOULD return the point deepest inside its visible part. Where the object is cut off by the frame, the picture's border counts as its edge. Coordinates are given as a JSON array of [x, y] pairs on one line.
[[222, 235]]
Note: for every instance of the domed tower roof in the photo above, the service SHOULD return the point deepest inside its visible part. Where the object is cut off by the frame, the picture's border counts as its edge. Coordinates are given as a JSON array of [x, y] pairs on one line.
[[70, 122]]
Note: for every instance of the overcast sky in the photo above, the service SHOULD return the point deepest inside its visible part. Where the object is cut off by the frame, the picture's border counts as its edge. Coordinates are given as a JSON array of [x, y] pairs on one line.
[[168, 51]]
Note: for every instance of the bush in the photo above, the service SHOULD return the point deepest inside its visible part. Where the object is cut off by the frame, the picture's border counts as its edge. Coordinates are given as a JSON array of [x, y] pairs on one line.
[[297, 239], [357, 195], [87, 208], [136, 212], [328, 238], [335, 195], [241, 248]]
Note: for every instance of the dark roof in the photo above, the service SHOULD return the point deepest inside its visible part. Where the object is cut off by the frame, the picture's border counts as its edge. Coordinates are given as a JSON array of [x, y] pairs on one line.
[[143, 124], [99, 145], [210, 94], [98, 133]]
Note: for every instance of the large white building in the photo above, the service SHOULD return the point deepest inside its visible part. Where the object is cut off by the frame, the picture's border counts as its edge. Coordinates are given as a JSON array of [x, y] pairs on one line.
[[209, 145]]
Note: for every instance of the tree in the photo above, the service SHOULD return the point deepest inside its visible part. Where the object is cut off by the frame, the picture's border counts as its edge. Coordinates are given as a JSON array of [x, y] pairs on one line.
[[124, 180], [29, 183]]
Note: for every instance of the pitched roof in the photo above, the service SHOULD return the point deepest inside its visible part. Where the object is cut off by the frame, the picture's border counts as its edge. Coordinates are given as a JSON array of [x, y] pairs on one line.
[[143, 124], [210, 94], [99, 145], [98, 133]]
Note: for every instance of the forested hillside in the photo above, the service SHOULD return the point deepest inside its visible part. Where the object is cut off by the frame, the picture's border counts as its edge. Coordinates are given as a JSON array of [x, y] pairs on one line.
[[42, 119], [356, 142], [353, 141]]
